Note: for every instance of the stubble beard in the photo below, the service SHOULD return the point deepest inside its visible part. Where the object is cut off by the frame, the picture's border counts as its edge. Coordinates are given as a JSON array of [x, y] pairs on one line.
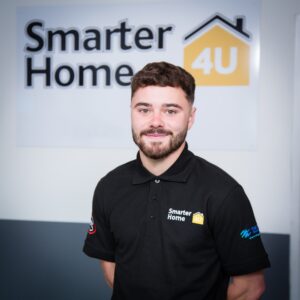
[[156, 150]]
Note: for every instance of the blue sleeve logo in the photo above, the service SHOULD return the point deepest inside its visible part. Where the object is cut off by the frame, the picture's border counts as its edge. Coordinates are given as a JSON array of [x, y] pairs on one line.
[[250, 233]]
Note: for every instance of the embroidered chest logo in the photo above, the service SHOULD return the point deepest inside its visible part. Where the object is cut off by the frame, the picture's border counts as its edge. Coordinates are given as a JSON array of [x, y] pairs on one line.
[[185, 216], [198, 218]]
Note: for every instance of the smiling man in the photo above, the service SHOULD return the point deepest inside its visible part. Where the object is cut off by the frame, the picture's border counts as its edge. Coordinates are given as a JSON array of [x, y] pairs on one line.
[[170, 225]]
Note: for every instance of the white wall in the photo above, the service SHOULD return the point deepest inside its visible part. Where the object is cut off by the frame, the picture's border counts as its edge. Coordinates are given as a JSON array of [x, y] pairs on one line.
[[295, 229], [38, 182], [47, 184]]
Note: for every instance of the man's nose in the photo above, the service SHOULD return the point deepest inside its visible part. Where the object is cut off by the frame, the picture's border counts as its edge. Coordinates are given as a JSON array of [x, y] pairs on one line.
[[157, 120]]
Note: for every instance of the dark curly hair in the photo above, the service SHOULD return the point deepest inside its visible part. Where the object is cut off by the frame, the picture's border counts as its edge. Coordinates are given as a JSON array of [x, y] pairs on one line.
[[164, 74]]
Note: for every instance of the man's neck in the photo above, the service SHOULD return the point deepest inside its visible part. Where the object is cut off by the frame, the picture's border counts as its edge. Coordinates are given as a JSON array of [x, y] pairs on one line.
[[159, 166]]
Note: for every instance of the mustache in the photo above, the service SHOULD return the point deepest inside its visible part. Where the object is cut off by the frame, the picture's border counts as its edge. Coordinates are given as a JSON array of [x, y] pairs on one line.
[[156, 131]]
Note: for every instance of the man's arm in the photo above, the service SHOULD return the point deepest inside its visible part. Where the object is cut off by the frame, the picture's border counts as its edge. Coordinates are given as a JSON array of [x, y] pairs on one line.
[[246, 287], [108, 271]]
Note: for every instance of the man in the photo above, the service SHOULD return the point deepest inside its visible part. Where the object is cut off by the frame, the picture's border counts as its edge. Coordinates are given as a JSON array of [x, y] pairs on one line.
[[170, 225]]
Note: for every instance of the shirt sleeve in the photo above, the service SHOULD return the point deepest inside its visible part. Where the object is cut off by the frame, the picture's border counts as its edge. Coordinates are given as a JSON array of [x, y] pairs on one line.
[[237, 235], [99, 242]]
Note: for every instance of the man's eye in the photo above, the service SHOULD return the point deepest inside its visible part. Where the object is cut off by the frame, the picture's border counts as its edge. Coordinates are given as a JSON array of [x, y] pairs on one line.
[[143, 110], [171, 111]]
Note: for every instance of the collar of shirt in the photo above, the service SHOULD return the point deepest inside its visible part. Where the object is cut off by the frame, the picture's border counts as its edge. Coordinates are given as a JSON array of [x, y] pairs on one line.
[[178, 172]]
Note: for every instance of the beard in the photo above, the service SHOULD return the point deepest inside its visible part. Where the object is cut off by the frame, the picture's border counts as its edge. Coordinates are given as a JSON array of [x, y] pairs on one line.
[[156, 150]]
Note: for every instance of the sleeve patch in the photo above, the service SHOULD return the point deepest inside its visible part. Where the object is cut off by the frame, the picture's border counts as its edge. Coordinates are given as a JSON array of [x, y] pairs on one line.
[[92, 227], [250, 233]]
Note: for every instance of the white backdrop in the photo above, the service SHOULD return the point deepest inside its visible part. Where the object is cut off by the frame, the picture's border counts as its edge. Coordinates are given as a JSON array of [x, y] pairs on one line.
[[56, 184], [295, 232]]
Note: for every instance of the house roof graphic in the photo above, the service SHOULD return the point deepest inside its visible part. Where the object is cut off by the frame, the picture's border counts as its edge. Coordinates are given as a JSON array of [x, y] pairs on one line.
[[238, 26]]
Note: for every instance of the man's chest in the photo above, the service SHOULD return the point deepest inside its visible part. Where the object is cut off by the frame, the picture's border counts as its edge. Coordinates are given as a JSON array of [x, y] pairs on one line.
[[167, 214]]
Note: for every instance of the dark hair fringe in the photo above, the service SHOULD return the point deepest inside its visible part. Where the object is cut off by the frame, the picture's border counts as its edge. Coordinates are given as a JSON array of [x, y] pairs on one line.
[[164, 74]]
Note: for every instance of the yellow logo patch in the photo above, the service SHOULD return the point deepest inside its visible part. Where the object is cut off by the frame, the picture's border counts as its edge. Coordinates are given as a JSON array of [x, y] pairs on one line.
[[198, 218], [217, 53]]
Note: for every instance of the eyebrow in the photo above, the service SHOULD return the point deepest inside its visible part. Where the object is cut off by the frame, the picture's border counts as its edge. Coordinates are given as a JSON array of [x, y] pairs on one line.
[[172, 105], [142, 104], [164, 105]]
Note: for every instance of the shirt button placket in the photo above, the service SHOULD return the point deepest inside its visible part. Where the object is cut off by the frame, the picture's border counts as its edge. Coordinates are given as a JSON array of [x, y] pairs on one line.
[[153, 199]]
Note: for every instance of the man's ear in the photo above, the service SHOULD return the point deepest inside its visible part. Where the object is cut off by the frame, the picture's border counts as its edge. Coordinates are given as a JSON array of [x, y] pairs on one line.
[[192, 117]]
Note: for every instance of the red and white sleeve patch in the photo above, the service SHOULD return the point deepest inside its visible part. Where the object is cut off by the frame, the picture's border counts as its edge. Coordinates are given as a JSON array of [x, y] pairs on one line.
[[92, 228]]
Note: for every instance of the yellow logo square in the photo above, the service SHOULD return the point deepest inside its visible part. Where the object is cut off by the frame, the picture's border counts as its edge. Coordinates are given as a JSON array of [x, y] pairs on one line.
[[217, 53], [198, 218]]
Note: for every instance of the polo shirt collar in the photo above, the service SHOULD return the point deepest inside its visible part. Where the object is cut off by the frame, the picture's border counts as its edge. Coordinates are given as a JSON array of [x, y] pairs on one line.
[[178, 172]]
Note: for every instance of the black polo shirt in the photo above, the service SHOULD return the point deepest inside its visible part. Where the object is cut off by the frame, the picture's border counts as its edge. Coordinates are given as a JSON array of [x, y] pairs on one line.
[[177, 236]]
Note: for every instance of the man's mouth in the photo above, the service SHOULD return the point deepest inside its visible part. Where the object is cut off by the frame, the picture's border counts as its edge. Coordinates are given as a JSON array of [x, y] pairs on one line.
[[156, 133]]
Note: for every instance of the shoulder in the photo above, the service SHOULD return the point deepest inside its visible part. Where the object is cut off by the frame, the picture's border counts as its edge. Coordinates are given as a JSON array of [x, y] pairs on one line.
[[212, 176], [122, 170], [225, 196], [120, 175]]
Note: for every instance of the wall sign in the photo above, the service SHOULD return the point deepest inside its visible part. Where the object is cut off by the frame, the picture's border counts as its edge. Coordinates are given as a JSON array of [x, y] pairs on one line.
[[75, 64]]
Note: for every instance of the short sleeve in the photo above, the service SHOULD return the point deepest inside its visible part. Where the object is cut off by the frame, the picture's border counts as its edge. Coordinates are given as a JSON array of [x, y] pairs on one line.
[[99, 242], [237, 235]]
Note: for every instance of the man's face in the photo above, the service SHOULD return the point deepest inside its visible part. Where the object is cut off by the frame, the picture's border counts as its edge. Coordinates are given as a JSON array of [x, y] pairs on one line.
[[160, 119]]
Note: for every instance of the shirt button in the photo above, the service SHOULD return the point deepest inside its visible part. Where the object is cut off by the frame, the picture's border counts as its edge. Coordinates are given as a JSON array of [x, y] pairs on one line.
[[157, 181], [152, 217]]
